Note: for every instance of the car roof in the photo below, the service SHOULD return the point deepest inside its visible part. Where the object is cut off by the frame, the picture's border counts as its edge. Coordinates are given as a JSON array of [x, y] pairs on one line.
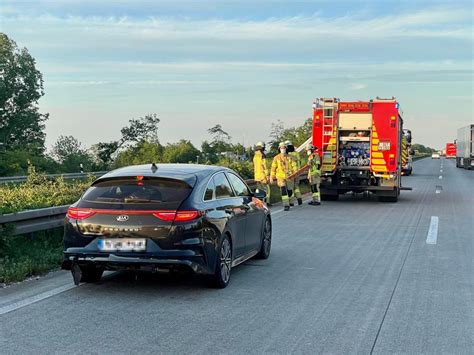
[[176, 171]]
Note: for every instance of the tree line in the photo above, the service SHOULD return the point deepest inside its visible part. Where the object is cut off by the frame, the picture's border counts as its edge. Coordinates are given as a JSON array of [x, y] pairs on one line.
[[22, 132]]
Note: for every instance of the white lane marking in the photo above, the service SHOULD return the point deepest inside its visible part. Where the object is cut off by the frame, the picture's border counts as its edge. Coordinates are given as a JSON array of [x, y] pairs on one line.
[[438, 192], [440, 177], [432, 237], [30, 300], [440, 170]]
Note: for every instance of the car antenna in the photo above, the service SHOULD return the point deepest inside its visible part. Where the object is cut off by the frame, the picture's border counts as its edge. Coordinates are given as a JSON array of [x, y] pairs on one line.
[[153, 167]]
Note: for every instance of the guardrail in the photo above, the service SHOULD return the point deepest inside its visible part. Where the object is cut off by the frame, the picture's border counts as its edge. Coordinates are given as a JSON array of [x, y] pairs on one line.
[[16, 179], [42, 219]]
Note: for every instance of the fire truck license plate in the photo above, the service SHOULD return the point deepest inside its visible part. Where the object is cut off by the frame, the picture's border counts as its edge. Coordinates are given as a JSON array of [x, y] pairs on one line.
[[122, 244]]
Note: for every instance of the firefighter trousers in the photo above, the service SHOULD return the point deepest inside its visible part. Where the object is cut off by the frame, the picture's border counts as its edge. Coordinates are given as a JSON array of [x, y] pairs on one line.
[[264, 187], [285, 198], [294, 189], [315, 181]]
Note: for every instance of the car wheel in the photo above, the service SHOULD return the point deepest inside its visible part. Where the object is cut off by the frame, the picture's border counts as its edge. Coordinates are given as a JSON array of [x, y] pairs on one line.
[[91, 274], [264, 252], [221, 276]]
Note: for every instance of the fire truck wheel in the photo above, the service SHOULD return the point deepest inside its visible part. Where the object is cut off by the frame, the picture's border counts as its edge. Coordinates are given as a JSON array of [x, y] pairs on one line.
[[329, 197]]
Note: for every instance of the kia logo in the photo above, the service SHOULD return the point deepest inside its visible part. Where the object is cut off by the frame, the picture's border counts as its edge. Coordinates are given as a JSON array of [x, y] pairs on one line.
[[122, 218]]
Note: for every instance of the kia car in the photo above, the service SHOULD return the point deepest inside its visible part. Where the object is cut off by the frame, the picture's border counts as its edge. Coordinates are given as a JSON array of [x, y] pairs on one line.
[[166, 217]]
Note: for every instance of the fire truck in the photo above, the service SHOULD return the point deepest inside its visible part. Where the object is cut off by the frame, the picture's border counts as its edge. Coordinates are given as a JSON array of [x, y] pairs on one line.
[[450, 151], [361, 147]]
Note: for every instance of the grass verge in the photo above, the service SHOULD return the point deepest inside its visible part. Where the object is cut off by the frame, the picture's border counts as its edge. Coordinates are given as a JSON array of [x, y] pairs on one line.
[[28, 255]]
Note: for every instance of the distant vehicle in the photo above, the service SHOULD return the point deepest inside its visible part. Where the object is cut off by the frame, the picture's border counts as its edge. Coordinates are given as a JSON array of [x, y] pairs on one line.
[[361, 146], [450, 151], [465, 147], [435, 155], [166, 217]]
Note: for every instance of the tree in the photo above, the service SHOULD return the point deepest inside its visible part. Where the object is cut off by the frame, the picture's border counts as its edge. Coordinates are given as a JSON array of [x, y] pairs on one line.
[[21, 86], [139, 130], [297, 135], [70, 153], [218, 134], [181, 152], [142, 153], [103, 152]]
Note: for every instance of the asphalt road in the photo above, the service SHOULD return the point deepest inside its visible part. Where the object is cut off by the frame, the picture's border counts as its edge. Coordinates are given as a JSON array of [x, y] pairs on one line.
[[352, 276]]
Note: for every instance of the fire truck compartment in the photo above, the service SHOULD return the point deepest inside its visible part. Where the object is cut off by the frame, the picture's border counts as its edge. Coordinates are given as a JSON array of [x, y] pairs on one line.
[[355, 121], [355, 154]]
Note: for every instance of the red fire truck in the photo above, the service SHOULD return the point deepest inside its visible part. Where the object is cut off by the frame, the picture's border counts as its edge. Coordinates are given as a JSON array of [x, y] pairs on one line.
[[450, 150], [360, 143]]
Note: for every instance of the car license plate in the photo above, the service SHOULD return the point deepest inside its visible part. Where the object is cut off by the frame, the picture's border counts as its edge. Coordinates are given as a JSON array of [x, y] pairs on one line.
[[122, 244]]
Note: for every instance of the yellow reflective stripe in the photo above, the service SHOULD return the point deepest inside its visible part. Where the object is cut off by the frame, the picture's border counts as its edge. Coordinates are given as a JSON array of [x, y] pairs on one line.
[[375, 141], [377, 155], [375, 148], [378, 161], [379, 168]]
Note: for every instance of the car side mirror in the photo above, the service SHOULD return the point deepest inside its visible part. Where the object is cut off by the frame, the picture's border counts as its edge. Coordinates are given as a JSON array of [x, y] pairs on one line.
[[260, 194]]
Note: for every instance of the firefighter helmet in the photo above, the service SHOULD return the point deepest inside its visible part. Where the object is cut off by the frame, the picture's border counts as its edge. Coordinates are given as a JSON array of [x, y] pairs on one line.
[[282, 145], [288, 142], [260, 145]]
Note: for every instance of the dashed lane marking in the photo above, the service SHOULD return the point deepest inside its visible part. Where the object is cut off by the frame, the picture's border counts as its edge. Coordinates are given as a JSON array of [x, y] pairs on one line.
[[37, 298], [440, 177], [439, 188], [432, 237]]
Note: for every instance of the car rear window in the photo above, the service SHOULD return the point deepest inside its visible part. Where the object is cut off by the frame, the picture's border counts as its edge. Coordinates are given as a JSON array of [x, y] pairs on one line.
[[155, 193]]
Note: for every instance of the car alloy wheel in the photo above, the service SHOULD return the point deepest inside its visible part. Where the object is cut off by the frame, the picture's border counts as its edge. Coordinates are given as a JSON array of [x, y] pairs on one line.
[[266, 240], [225, 260]]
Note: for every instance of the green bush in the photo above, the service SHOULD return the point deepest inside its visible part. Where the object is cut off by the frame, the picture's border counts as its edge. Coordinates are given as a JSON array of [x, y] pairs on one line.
[[39, 192]]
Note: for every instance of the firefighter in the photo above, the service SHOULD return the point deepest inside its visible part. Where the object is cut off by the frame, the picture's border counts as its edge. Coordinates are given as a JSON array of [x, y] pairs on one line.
[[314, 173], [294, 183], [282, 167], [261, 174]]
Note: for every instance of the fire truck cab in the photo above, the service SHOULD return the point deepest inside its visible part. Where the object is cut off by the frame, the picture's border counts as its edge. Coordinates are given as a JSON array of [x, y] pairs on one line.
[[360, 143]]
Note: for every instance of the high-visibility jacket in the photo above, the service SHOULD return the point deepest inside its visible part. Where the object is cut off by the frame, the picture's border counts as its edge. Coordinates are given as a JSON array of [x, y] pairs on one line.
[[314, 163], [296, 158], [282, 167], [260, 167]]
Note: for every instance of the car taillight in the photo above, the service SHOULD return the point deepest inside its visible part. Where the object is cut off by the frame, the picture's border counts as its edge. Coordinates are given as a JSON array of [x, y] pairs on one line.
[[183, 216], [79, 213], [177, 216], [165, 215]]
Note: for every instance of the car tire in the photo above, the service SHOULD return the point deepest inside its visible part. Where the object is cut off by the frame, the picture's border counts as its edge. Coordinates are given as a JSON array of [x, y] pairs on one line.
[[221, 276], [91, 274], [266, 246]]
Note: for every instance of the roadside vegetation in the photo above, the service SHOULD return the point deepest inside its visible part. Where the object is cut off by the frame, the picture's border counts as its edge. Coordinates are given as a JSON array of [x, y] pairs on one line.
[[27, 255]]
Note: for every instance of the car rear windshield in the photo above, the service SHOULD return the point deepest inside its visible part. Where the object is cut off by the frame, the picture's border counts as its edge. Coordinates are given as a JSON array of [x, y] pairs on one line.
[[146, 193]]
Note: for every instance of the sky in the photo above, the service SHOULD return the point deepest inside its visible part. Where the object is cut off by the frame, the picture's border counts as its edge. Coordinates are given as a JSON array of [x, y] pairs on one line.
[[243, 64]]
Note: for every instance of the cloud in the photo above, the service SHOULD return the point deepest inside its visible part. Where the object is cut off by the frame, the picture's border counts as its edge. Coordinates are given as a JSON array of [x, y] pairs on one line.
[[358, 86]]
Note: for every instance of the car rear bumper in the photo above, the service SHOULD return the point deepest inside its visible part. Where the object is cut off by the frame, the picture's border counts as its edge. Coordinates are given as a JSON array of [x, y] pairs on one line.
[[153, 259]]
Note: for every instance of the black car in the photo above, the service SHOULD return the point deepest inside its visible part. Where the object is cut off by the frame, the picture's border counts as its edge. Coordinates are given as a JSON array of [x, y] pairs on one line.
[[166, 217]]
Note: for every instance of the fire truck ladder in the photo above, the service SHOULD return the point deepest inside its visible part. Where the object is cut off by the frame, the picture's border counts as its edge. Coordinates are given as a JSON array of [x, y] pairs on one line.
[[329, 138]]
